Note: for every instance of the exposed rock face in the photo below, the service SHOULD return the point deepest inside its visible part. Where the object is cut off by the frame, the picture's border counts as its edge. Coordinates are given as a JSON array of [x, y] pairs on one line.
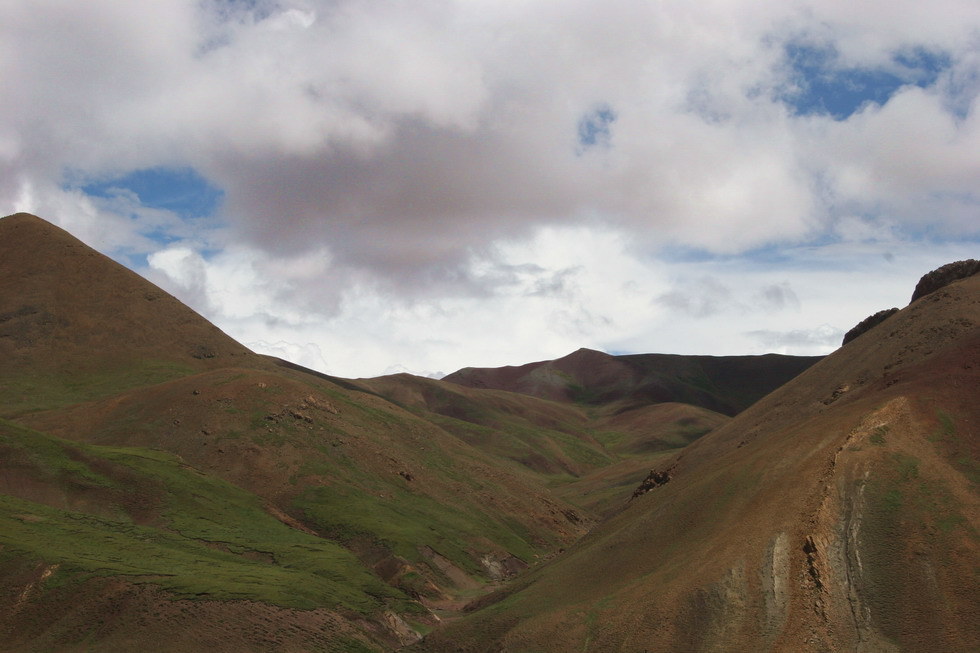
[[501, 566], [653, 480], [944, 276], [868, 323]]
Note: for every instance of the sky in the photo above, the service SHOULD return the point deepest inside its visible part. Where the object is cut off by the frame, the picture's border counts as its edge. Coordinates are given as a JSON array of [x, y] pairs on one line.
[[375, 186]]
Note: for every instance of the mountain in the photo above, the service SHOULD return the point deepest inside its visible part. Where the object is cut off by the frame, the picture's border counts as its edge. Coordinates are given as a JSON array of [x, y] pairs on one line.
[[629, 411], [724, 384], [589, 455], [839, 512], [163, 488]]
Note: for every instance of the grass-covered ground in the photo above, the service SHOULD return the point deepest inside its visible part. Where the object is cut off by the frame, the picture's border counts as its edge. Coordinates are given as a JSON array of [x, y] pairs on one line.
[[200, 536]]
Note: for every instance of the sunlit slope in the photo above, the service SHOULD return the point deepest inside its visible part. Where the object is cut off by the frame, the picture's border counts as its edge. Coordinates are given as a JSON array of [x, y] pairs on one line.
[[348, 465], [547, 437], [841, 512]]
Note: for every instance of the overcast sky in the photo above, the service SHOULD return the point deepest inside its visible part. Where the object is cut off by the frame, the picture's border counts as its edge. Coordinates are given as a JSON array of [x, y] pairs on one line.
[[369, 186]]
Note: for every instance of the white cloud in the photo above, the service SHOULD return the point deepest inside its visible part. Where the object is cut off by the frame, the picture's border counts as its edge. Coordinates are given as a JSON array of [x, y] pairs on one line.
[[800, 342], [404, 184], [306, 354], [561, 290]]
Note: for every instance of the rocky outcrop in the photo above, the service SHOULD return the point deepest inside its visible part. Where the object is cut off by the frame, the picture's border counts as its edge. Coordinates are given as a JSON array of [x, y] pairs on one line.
[[868, 323], [930, 282], [502, 565], [944, 276], [653, 480]]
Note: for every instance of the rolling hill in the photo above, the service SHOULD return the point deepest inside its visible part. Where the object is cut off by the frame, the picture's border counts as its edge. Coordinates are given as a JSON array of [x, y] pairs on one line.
[[162, 484]]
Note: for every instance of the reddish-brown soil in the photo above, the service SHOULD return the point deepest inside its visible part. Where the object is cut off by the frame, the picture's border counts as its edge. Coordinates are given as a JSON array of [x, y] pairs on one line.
[[94, 354]]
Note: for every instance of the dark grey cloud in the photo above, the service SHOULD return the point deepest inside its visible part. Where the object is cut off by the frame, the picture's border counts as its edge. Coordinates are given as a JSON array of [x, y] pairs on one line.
[[425, 205], [778, 296]]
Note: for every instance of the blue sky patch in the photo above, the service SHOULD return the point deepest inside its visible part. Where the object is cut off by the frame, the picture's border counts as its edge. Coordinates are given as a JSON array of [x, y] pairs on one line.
[[594, 127], [827, 87], [179, 190]]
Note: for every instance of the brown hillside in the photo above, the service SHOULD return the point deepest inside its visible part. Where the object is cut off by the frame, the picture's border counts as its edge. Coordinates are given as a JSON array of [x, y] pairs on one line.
[[841, 512], [542, 436], [74, 323], [163, 488]]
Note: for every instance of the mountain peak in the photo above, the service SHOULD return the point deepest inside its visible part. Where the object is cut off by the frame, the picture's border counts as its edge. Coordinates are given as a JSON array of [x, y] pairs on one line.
[[27, 225], [66, 308], [22, 217], [584, 355]]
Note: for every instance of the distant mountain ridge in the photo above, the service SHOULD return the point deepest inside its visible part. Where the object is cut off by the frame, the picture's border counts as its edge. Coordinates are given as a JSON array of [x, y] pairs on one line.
[[724, 384]]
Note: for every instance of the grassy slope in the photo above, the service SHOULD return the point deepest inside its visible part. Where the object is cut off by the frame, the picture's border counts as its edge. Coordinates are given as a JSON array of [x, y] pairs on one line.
[[351, 466], [592, 456], [544, 436], [222, 448], [75, 325], [338, 469], [90, 512]]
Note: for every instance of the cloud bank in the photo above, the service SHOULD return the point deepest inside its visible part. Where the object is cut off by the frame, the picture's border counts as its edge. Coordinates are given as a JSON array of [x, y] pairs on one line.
[[449, 183]]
